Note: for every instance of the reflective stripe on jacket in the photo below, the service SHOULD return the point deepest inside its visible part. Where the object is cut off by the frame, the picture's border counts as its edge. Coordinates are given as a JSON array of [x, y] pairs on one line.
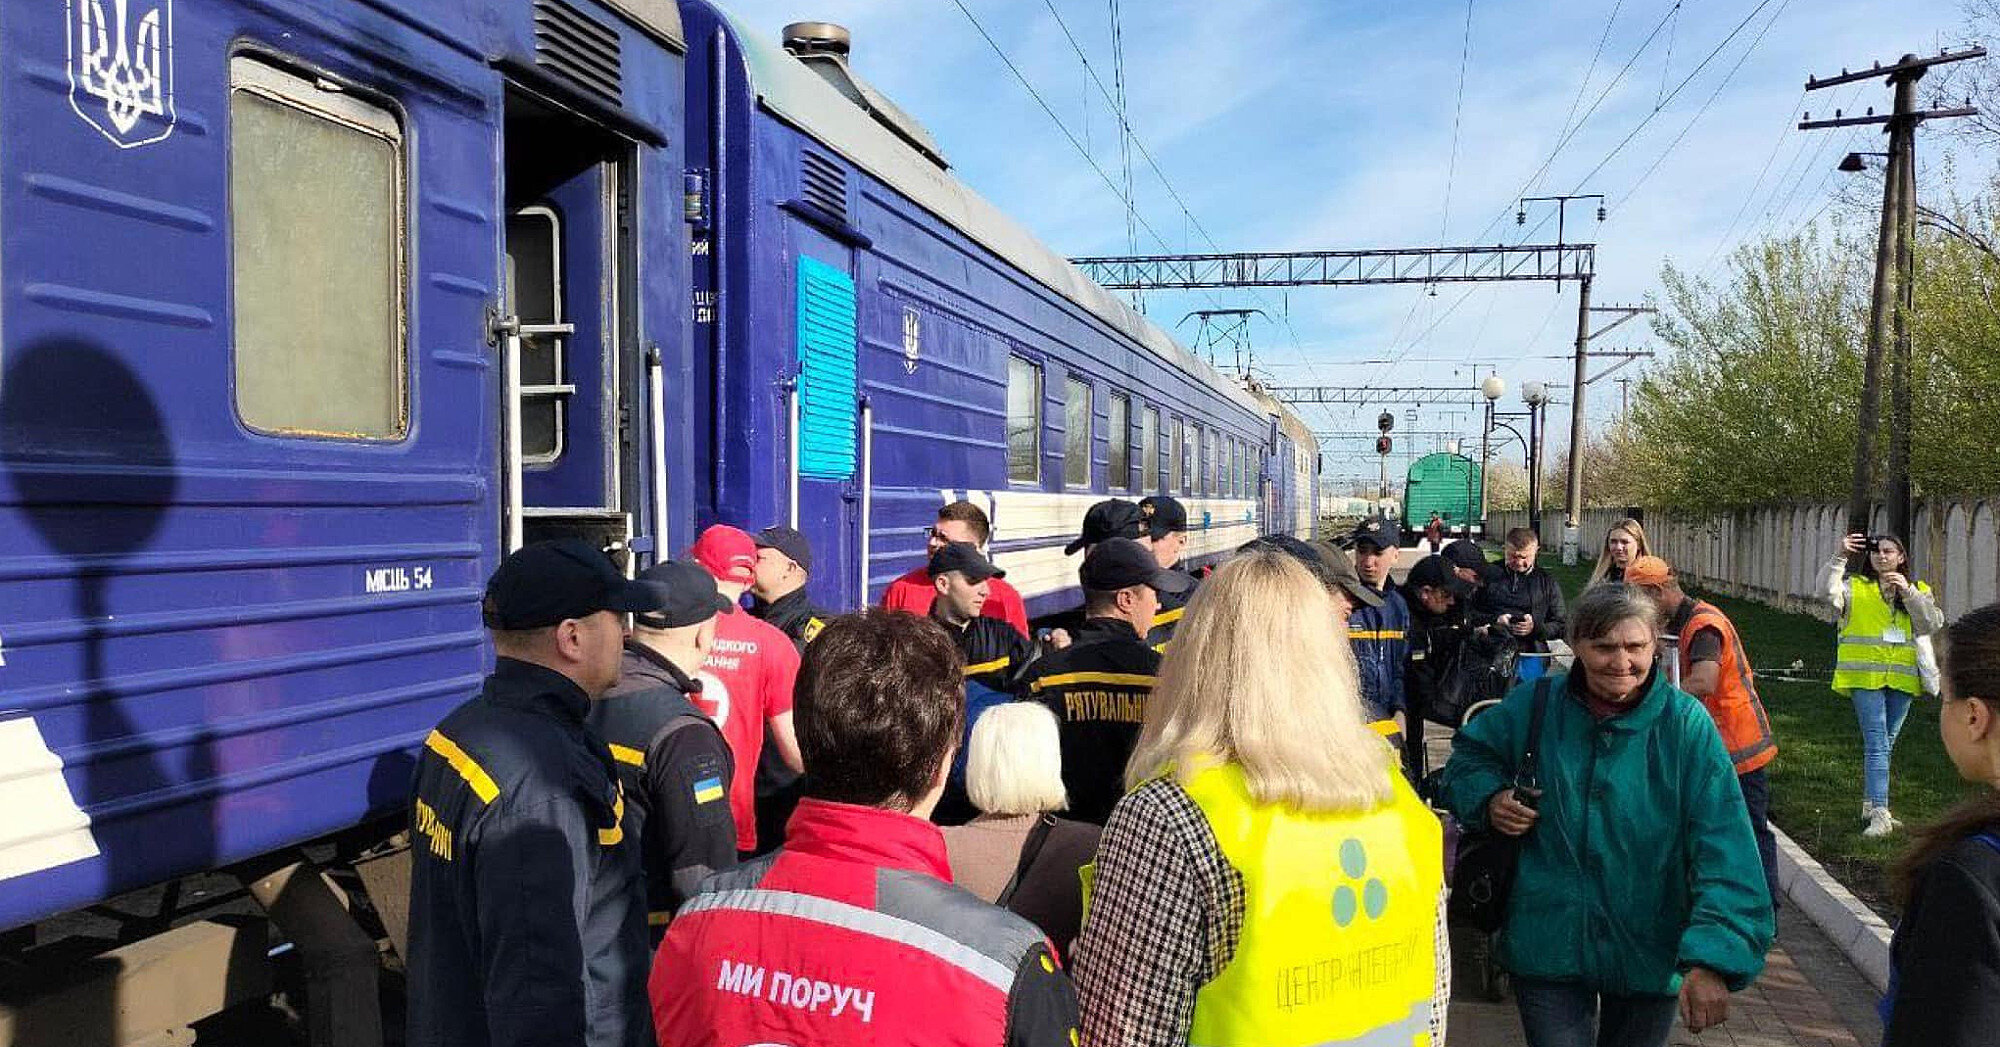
[[853, 935], [1878, 644], [1738, 712], [1337, 952]]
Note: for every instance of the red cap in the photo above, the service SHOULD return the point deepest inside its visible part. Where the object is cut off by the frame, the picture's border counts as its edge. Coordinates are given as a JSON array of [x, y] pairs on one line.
[[726, 553], [1648, 570]]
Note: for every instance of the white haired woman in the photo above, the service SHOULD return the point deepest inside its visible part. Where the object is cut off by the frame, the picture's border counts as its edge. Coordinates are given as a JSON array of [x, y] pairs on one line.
[[1215, 918], [1016, 853]]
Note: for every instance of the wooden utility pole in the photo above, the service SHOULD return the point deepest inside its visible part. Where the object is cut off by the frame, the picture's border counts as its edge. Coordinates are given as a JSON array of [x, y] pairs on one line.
[[1895, 282]]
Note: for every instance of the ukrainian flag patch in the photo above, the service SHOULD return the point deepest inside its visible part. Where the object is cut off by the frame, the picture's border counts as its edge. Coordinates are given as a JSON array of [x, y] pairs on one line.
[[708, 790]]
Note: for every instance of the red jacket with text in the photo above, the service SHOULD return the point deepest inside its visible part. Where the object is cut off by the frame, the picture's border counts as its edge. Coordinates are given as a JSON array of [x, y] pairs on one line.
[[852, 934]]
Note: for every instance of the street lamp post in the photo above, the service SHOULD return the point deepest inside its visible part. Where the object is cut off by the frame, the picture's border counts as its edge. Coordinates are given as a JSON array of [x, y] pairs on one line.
[[1536, 396], [1493, 388]]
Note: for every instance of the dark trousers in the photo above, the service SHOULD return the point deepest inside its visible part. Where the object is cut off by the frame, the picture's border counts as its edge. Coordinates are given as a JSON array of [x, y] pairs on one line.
[[1561, 1014], [1757, 796]]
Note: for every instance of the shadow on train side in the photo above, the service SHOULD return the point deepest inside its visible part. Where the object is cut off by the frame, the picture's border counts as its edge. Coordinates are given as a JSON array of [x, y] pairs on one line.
[[91, 468]]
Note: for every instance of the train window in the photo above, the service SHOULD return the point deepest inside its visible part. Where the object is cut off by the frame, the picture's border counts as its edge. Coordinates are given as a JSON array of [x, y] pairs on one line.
[[1076, 433], [1188, 463], [316, 206], [1205, 462], [1118, 443], [1149, 451], [1175, 460], [1024, 420], [1240, 455]]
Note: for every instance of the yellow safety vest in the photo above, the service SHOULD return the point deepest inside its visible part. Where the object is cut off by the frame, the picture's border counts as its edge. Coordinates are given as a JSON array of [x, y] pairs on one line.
[[1878, 645], [1339, 924]]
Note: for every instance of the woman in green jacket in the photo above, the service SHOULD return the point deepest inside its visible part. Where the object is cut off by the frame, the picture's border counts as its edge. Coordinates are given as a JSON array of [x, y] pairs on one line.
[[1639, 879]]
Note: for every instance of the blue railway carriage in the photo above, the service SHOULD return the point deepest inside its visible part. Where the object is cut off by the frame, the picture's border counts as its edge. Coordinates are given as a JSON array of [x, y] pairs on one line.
[[274, 276], [886, 341], [312, 309]]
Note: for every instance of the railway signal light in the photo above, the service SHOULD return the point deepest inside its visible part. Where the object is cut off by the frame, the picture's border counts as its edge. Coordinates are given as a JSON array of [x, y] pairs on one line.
[[1385, 421], [1383, 443]]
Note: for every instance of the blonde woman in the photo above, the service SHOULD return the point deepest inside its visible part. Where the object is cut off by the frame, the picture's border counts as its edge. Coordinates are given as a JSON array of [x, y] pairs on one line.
[[1017, 854], [1623, 543], [1214, 917]]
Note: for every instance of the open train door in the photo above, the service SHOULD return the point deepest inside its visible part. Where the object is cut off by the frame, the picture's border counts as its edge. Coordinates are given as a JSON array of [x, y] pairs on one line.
[[567, 334]]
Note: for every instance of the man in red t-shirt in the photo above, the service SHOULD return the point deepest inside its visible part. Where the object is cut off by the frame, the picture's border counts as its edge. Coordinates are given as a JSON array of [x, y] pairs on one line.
[[957, 522], [747, 677]]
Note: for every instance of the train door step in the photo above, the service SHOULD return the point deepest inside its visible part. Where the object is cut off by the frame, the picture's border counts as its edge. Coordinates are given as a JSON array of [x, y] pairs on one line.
[[610, 531]]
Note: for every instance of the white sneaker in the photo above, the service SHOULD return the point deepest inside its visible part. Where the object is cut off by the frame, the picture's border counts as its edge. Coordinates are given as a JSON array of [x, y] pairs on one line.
[[1880, 823]]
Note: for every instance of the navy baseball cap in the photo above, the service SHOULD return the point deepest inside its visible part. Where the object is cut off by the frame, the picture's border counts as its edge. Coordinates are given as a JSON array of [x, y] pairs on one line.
[[1111, 518], [1120, 563], [546, 583], [966, 559], [1164, 514], [1379, 531], [1436, 571], [790, 542], [686, 593]]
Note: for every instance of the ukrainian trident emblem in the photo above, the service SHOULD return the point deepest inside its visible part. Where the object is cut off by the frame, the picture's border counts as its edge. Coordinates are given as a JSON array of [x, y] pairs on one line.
[[121, 68]]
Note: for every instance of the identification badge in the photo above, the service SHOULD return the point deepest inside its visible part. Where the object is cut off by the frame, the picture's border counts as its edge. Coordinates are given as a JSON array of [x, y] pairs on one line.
[[1894, 634]]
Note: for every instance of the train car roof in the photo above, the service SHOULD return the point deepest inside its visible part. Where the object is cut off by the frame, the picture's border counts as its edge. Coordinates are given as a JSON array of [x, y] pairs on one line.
[[662, 18], [800, 97]]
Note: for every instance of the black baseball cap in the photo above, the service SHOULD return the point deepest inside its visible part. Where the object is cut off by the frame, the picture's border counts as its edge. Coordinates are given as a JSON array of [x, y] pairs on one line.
[[1164, 514], [1379, 531], [1436, 571], [1340, 567], [1120, 563], [966, 559], [1464, 553], [546, 583], [1111, 518], [687, 595], [789, 541]]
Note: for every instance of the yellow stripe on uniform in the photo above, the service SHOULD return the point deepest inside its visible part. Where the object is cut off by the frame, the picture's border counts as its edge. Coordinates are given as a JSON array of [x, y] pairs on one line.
[[1168, 617], [467, 768], [1375, 634], [993, 666], [1386, 728], [1116, 679], [613, 836], [627, 754], [659, 919]]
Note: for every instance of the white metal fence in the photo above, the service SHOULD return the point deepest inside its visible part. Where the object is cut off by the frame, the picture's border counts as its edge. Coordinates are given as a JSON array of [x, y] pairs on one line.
[[1774, 555]]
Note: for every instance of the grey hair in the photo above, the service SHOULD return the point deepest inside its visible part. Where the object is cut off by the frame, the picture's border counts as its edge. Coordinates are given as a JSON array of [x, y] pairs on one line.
[[1602, 608]]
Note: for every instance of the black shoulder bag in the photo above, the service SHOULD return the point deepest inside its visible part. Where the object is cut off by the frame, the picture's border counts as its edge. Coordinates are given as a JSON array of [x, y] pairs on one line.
[[1483, 876], [1031, 848]]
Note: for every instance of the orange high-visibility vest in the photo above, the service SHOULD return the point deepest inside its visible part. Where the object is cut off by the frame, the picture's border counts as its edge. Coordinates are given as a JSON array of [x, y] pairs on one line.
[[1735, 707]]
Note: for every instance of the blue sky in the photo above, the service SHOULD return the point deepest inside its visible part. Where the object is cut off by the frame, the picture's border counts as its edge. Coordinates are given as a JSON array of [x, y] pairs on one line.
[[1324, 124]]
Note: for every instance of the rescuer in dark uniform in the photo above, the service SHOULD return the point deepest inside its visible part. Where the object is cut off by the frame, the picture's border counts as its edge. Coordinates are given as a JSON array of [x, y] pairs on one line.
[[778, 585], [995, 654], [1110, 518], [672, 760], [778, 596], [527, 906], [1097, 686], [1166, 530]]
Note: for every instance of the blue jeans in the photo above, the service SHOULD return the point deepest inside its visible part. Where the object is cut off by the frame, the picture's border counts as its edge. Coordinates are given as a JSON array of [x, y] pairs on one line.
[[1562, 1014], [1881, 713]]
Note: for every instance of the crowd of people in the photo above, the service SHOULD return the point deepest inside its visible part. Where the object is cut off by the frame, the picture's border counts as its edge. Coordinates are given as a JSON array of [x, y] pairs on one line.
[[1173, 815]]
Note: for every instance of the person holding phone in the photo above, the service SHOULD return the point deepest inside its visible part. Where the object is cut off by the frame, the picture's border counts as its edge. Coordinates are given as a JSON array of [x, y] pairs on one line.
[[1886, 620]]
